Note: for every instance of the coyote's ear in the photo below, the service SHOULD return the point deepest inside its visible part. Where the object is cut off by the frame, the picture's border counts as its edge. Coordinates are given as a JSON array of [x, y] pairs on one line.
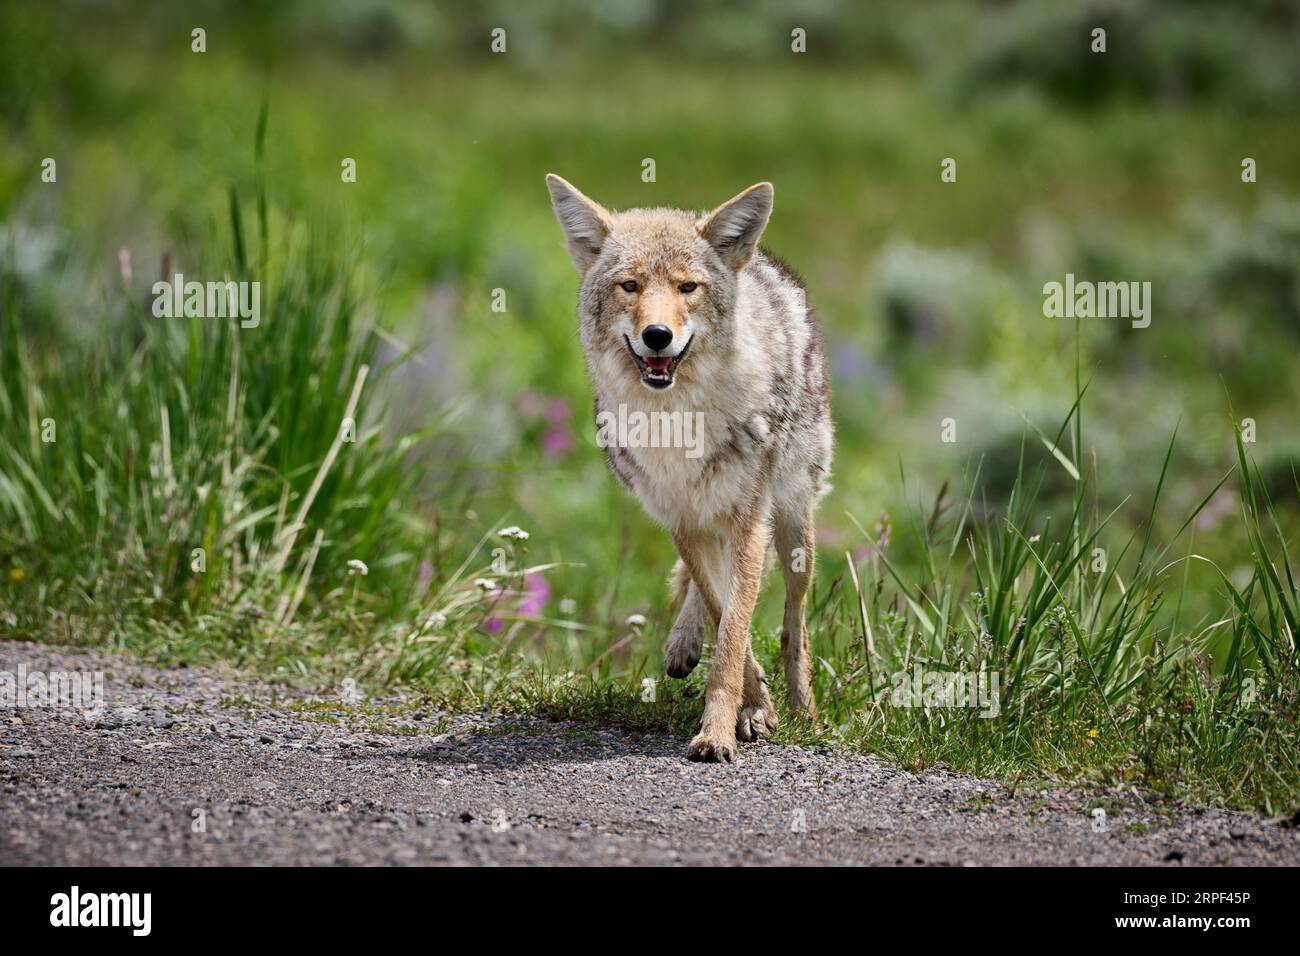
[[584, 221], [734, 228]]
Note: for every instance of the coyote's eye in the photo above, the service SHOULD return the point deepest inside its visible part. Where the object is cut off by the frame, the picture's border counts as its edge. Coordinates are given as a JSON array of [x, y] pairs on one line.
[[686, 288], [629, 285]]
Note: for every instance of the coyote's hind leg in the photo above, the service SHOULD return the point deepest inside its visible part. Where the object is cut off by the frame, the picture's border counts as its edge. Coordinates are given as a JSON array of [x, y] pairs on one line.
[[794, 545]]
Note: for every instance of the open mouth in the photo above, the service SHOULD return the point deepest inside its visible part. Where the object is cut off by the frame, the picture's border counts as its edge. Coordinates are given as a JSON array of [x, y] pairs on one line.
[[657, 370]]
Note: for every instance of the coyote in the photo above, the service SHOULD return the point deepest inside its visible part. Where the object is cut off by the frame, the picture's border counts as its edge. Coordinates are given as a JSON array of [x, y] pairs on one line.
[[683, 313]]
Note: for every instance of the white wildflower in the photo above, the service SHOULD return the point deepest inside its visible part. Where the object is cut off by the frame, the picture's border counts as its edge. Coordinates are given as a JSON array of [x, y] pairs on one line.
[[636, 620], [514, 531], [358, 567]]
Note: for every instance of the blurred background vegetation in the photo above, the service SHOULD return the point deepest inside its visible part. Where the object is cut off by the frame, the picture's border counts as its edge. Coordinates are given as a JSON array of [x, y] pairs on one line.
[[1122, 166]]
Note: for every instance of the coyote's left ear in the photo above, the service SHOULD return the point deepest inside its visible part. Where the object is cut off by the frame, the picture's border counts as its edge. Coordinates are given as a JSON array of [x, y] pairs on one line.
[[734, 228], [585, 222]]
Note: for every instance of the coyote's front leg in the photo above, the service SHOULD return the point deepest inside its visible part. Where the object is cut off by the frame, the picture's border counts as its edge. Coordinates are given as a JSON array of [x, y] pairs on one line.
[[686, 638], [745, 548], [757, 716]]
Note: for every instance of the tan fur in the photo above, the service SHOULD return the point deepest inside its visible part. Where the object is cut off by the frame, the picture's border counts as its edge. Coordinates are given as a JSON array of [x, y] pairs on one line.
[[795, 654], [745, 357]]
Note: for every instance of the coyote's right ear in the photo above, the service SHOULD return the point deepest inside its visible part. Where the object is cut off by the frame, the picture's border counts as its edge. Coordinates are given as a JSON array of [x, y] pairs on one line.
[[585, 222]]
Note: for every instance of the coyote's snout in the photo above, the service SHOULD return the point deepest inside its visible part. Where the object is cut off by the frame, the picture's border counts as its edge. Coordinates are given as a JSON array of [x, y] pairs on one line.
[[682, 314]]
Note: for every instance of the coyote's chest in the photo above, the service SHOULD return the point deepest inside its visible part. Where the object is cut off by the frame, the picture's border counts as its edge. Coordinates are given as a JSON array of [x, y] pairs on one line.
[[690, 466]]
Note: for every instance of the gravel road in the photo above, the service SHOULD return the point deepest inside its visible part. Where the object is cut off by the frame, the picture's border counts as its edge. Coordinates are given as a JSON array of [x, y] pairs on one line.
[[195, 766]]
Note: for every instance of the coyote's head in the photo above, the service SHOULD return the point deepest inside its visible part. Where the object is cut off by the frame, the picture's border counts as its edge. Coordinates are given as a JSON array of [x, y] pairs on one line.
[[658, 285]]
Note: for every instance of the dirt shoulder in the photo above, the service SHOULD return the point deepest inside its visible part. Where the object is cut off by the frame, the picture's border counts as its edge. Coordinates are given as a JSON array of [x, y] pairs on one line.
[[194, 766]]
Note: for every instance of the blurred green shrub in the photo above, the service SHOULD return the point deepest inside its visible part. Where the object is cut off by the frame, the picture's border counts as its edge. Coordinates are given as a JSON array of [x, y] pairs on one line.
[[1176, 50]]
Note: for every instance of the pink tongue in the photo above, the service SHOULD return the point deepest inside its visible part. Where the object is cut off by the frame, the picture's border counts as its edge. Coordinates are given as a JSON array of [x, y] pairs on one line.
[[659, 362]]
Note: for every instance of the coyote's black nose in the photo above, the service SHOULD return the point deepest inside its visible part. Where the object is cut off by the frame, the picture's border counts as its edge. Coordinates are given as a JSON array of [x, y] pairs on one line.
[[657, 336]]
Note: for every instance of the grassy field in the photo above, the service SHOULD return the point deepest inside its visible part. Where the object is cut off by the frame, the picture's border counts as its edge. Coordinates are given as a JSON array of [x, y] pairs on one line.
[[1168, 660]]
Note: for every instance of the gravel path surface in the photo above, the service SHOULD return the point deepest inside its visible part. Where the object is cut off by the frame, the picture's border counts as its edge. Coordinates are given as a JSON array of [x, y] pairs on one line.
[[190, 766]]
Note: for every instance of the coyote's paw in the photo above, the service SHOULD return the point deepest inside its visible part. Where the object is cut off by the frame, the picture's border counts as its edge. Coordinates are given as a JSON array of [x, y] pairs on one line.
[[682, 653], [709, 749], [753, 723], [686, 639]]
